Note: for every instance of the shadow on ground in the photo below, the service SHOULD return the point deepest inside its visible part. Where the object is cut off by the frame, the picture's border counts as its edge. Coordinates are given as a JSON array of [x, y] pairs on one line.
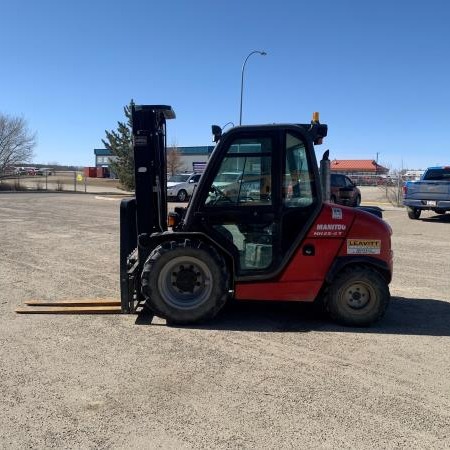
[[441, 218], [404, 316]]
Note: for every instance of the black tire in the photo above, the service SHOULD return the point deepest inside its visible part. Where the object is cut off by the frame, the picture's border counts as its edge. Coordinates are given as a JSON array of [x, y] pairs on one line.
[[439, 211], [185, 282], [182, 196], [333, 199], [413, 213], [358, 296], [357, 201]]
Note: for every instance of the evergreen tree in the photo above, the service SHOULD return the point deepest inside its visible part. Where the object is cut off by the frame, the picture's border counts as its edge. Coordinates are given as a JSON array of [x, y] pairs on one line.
[[119, 143]]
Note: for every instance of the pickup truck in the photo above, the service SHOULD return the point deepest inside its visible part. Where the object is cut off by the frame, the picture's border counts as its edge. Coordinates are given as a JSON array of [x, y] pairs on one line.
[[431, 192]]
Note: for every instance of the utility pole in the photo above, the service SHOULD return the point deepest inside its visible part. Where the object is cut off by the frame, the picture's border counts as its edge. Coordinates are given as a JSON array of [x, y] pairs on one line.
[[262, 53]]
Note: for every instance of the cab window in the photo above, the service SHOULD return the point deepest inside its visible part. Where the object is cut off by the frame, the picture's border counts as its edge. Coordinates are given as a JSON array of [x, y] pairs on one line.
[[298, 187], [242, 186], [245, 175]]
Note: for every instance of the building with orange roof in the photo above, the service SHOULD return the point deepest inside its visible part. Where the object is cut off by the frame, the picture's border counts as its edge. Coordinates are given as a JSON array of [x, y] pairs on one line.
[[361, 171], [357, 167]]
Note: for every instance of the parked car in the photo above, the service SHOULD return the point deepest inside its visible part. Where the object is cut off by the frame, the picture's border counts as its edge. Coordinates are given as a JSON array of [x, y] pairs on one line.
[[240, 187], [20, 171], [227, 179], [25, 171], [182, 185], [344, 191], [44, 171]]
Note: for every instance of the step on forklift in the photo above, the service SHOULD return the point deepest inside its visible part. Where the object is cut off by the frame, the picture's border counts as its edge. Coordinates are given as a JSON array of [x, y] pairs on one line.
[[256, 228]]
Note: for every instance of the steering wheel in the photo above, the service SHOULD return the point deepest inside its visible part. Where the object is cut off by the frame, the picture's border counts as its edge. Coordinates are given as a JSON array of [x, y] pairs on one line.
[[220, 195]]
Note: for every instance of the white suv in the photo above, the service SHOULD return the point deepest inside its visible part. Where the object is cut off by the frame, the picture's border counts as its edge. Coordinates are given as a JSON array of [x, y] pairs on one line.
[[181, 186]]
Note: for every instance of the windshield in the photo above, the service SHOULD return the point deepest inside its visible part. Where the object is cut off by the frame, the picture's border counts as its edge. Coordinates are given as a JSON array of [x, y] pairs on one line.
[[437, 174], [178, 178]]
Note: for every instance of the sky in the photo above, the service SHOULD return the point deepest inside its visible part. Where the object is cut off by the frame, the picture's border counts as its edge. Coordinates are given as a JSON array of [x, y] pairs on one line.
[[377, 71]]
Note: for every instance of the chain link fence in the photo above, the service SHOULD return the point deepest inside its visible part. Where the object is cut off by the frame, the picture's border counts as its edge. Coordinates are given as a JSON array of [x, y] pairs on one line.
[[58, 181], [392, 186], [76, 181]]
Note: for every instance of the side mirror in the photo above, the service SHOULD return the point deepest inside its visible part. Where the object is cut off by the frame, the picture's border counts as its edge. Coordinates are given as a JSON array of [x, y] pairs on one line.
[[217, 132]]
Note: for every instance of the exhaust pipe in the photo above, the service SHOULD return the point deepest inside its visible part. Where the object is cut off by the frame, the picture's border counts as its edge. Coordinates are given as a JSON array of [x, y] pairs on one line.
[[325, 169]]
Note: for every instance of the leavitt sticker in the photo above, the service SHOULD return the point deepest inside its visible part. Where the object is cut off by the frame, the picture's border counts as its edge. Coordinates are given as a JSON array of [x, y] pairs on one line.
[[363, 247]]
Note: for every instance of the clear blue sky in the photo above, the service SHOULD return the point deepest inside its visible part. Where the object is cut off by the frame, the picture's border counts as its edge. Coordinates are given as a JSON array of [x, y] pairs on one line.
[[378, 71]]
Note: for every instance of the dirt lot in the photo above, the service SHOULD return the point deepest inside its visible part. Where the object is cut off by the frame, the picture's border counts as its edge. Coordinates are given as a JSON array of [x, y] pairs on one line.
[[272, 376]]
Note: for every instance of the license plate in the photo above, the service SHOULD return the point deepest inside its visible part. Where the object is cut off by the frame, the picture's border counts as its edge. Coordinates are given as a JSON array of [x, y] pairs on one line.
[[431, 202]]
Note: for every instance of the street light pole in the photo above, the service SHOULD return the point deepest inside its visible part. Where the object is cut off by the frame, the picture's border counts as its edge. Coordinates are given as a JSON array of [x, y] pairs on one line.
[[242, 78]]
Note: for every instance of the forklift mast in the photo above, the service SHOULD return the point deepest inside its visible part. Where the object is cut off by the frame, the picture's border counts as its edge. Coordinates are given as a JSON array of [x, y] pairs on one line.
[[147, 212], [149, 147]]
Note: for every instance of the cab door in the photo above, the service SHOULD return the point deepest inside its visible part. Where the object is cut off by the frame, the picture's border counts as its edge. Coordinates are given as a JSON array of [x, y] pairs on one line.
[[240, 201], [298, 207], [258, 198]]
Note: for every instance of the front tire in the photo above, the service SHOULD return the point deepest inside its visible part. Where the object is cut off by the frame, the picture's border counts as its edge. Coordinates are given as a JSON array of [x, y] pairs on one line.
[[358, 296], [182, 196], [185, 282], [413, 213]]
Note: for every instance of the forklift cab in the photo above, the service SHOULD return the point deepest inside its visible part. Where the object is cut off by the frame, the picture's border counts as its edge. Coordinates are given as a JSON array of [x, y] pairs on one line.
[[259, 215]]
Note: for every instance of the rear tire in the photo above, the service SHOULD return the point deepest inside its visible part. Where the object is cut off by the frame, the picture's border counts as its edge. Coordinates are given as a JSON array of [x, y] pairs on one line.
[[413, 213], [185, 282], [439, 211], [182, 196], [357, 201], [333, 199], [358, 296]]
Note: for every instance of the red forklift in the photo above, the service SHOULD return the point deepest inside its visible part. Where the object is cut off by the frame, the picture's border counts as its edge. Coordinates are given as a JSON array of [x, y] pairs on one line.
[[268, 234]]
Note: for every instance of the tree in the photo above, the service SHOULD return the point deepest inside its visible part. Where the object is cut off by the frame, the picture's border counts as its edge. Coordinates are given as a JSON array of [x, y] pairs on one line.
[[16, 142], [119, 142], [174, 162]]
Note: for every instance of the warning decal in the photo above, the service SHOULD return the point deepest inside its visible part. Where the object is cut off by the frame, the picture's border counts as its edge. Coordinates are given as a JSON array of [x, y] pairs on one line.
[[363, 247], [336, 213]]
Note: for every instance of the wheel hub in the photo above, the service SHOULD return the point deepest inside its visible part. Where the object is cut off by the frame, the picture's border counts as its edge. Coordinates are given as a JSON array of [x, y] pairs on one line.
[[185, 282], [357, 296], [186, 279]]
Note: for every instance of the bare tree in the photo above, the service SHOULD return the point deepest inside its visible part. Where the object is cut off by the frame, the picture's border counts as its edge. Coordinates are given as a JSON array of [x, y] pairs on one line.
[[16, 141], [174, 162]]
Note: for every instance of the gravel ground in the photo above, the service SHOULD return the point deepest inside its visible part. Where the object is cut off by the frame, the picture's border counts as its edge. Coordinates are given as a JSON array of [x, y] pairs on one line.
[[259, 376]]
